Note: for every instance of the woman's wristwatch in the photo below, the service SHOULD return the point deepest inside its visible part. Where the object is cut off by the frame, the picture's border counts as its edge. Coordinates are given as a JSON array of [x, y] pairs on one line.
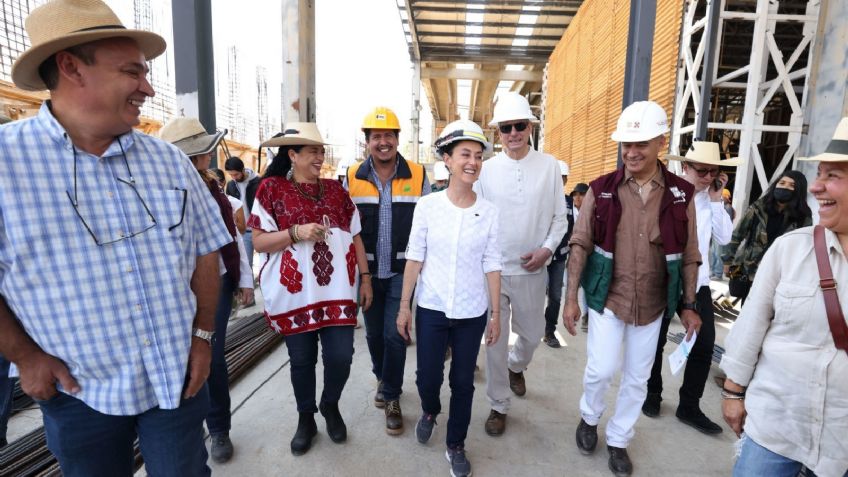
[[689, 306]]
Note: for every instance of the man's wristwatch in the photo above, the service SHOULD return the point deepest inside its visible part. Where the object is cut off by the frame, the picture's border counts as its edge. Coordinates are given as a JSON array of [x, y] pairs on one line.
[[689, 306], [203, 334]]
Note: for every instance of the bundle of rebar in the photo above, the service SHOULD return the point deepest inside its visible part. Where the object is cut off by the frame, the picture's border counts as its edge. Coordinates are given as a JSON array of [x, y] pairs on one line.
[[248, 341]]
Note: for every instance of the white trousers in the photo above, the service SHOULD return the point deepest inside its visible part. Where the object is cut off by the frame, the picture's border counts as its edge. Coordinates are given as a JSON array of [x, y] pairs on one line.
[[523, 307], [610, 346]]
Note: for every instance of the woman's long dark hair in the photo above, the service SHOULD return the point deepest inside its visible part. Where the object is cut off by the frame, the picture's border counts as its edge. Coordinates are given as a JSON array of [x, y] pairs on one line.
[[796, 209], [282, 164]]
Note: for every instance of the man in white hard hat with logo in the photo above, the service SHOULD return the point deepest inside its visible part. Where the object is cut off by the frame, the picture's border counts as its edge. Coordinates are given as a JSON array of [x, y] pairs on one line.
[[526, 187], [635, 245]]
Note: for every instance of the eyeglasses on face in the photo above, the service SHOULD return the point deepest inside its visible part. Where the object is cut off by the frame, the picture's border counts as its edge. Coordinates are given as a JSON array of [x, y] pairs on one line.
[[507, 128], [712, 171]]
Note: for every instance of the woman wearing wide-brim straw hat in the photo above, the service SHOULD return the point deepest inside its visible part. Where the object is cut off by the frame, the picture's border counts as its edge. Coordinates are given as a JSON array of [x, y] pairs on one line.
[[786, 356], [189, 135], [308, 228]]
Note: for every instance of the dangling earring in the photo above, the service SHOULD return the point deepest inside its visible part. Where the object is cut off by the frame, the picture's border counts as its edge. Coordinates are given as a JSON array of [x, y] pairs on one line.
[[290, 174]]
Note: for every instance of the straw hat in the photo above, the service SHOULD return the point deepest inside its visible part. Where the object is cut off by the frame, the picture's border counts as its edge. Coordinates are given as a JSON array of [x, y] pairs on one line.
[[297, 134], [837, 150], [62, 24], [704, 152], [190, 136]]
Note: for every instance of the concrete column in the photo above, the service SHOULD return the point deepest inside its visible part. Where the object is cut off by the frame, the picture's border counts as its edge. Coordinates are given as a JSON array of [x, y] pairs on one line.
[[415, 118], [194, 77], [298, 30]]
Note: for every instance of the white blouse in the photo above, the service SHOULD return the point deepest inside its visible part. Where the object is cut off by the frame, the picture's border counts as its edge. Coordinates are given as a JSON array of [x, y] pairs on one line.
[[457, 247]]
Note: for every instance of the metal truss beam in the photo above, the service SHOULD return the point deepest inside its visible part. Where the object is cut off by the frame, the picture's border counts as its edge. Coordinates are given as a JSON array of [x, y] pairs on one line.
[[694, 86], [484, 24]]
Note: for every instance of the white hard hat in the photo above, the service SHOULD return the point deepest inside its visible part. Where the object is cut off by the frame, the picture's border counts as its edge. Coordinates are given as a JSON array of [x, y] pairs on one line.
[[511, 107], [641, 121], [563, 168], [462, 130], [440, 171], [341, 170]]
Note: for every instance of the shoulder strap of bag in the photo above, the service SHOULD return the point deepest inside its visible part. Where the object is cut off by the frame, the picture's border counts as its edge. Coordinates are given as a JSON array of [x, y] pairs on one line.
[[835, 319]]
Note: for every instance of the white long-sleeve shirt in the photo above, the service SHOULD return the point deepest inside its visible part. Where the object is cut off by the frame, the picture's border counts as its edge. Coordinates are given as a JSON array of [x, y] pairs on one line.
[[781, 348], [713, 224], [457, 247], [528, 195]]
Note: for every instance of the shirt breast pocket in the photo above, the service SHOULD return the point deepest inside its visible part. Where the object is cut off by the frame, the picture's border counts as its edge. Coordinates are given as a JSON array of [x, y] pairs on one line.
[[794, 302], [169, 209]]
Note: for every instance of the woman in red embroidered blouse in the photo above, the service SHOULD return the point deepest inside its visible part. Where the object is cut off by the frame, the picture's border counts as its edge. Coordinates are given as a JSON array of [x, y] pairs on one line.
[[309, 229]]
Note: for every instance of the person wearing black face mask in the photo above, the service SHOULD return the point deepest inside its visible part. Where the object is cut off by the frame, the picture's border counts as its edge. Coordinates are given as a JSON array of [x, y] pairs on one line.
[[782, 208]]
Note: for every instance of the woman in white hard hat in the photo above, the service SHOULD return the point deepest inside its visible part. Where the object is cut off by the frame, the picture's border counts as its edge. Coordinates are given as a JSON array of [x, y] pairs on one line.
[[453, 247], [786, 356], [309, 227]]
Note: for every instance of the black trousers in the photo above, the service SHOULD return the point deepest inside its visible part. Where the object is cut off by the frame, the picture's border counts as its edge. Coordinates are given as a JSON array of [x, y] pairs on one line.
[[700, 358]]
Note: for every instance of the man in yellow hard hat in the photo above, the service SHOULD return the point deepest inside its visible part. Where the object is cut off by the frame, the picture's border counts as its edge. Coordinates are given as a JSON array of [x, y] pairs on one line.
[[385, 188]]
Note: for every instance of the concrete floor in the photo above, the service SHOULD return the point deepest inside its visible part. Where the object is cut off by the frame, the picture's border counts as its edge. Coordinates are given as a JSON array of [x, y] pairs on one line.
[[539, 440]]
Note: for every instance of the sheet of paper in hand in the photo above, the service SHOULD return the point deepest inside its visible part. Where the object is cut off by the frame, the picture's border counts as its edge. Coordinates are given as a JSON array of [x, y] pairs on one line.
[[678, 358]]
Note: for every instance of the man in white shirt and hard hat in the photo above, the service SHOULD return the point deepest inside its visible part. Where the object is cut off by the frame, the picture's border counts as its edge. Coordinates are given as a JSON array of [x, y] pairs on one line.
[[526, 186]]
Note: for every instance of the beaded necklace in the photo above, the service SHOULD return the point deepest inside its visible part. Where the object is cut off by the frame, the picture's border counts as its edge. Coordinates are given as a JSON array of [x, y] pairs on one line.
[[302, 192]]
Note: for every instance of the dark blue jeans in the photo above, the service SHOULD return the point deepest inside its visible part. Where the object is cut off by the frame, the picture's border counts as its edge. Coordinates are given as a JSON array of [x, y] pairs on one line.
[[88, 443], [555, 273], [385, 344], [336, 354], [435, 333], [218, 420], [6, 388]]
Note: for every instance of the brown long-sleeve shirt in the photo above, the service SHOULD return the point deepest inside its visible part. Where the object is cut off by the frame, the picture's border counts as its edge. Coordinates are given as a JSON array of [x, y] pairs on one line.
[[638, 294]]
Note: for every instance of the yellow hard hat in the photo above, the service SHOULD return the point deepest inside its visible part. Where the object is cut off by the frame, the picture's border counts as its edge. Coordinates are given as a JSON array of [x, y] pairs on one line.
[[381, 118]]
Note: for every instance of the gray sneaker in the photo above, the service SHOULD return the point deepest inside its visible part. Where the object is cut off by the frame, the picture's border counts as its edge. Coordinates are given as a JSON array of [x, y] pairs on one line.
[[222, 448], [460, 467], [424, 428]]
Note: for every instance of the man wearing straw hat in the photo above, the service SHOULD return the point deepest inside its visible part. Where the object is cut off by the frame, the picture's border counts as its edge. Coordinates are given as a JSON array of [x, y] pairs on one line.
[[635, 245], [108, 267], [701, 169]]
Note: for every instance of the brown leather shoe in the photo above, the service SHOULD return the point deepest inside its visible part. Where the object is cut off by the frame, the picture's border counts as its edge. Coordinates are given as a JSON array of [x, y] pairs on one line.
[[394, 418], [587, 437], [496, 423], [516, 383], [619, 461]]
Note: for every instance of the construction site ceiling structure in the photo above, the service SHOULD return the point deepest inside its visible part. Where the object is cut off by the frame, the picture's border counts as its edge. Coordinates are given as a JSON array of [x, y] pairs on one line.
[[470, 50]]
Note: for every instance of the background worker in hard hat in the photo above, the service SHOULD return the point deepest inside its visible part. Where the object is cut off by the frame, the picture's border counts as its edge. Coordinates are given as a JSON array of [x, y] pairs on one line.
[[556, 269], [577, 194], [637, 241], [440, 175], [385, 188], [526, 187], [701, 169]]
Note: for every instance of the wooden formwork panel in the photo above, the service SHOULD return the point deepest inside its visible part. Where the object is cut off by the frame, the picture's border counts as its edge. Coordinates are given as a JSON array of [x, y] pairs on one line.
[[586, 82]]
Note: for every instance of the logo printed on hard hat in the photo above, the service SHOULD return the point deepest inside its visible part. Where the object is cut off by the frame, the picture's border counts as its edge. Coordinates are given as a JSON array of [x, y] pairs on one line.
[[381, 117]]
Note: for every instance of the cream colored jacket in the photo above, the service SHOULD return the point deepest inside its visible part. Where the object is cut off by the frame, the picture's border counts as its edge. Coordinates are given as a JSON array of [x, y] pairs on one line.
[[781, 348]]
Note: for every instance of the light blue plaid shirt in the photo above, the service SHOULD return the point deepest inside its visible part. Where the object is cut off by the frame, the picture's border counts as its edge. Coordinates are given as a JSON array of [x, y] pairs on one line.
[[119, 315]]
